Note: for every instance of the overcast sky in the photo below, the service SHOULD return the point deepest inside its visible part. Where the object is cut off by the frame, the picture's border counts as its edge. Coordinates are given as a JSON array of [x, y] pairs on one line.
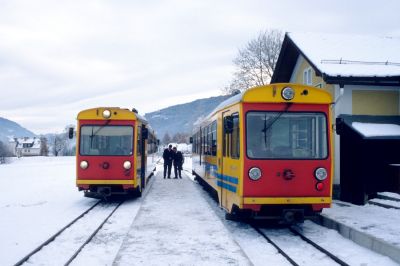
[[59, 57]]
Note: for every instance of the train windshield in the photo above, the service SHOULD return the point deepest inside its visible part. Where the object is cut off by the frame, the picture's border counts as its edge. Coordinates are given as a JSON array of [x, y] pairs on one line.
[[106, 140], [277, 135]]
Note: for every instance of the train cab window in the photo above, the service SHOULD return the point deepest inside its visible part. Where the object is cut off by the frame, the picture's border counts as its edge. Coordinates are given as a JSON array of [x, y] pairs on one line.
[[235, 137], [106, 140], [272, 135]]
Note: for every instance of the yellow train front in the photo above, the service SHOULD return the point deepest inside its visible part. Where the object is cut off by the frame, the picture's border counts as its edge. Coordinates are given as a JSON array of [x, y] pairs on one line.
[[116, 152], [267, 153]]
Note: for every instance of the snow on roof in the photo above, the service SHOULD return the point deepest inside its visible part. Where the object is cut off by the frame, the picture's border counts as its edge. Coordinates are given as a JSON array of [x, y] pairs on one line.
[[35, 142], [351, 55], [377, 130]]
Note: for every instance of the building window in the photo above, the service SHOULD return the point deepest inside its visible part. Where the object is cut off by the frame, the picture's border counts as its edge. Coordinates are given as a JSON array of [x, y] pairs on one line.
[[307, 79]]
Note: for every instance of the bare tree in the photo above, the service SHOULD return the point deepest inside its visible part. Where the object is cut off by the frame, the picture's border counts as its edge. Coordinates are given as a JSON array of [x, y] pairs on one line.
[[256, 62], [4, 152], [59, 144], [166, 139], [44, 148], [180, 137]]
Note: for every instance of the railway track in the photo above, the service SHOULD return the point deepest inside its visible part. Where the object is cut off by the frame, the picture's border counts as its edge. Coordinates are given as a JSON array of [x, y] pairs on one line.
[[388, 204], [68, 242], [294, 246]]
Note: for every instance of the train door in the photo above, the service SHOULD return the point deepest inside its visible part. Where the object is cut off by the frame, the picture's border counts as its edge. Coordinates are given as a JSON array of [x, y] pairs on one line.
[[226, 137], [143, 156], [139, 156]]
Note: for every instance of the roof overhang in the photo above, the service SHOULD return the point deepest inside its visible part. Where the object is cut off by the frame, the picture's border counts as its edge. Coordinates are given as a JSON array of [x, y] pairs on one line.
[[290, 53]]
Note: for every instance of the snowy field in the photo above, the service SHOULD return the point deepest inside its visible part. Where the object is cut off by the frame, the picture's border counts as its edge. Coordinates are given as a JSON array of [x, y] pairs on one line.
[[40, 197]]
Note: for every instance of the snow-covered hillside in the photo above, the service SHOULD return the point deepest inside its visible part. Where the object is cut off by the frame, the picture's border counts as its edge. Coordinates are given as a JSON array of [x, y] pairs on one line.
[[9, 128], [180, 118]]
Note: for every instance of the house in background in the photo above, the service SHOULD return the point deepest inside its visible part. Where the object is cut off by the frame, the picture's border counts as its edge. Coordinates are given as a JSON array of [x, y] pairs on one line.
[[362, 73], [28, 147]]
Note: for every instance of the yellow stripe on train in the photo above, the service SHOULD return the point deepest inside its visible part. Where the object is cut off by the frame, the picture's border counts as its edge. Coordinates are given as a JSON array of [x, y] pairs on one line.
[[291, 200], [105, 182]]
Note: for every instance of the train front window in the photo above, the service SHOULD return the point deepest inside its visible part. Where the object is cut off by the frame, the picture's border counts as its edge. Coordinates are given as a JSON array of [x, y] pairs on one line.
[[274, 135], [106, 140]]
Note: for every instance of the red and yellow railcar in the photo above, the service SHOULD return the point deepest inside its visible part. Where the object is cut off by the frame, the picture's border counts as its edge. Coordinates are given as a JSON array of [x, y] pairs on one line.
[[116, 152], [267, 152]]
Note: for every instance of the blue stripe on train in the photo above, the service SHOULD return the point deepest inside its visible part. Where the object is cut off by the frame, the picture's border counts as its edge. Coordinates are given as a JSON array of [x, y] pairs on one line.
[[226, 186], [212, 169]]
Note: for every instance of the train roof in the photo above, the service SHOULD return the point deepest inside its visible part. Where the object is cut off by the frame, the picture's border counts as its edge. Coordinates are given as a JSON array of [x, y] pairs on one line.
[[117, 113], [272, 94]]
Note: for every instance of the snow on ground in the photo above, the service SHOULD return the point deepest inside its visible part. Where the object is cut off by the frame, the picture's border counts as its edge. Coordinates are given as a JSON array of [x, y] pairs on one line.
[[345, 249], [66, 244], [175, 226], [251, 242], [374, 220], [184, 224], [38, 198], [104, 247]]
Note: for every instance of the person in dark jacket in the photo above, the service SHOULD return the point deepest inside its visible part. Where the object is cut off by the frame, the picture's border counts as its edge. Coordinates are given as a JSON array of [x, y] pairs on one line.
[[178, 162], [168, 156]]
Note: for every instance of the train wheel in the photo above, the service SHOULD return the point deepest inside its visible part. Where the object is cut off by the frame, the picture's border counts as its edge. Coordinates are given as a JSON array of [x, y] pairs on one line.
[[233, 215], [237, 214], [138, 192]]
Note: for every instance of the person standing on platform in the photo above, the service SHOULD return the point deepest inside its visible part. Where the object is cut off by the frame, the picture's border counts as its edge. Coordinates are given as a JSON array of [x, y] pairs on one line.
[[168, 156], [178, 162]]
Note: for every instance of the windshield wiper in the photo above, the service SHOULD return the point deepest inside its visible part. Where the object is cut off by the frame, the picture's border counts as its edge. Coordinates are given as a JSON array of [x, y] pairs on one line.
[[274, 119], [97, 131]]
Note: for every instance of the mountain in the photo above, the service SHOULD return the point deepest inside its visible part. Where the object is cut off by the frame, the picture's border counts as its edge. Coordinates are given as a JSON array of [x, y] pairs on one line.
[[180, 118], [9, 128]]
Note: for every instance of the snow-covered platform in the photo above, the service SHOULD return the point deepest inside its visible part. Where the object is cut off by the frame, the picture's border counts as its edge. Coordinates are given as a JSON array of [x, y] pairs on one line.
[[176, 226], [371, 226]]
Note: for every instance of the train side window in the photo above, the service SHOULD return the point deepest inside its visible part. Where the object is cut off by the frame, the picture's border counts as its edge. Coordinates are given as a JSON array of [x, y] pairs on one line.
[[214, 138], [203, 142], [209, 139], [235, 137], [139, 142]]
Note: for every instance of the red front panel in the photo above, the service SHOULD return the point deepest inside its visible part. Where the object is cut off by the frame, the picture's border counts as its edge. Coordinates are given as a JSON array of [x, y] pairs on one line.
[[105, 167], [287, 177]]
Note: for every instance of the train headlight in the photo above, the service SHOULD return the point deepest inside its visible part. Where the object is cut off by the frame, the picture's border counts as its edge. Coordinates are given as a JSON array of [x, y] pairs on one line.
[[106, 114], [320, 174], [127, 165], [255, 173], [288, 93], [84, 164]]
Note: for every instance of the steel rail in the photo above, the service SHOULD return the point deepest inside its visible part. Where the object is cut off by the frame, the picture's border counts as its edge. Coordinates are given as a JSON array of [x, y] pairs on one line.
[[383, 205], [283, 253], [92, 235], [312, 243], [51, 239]]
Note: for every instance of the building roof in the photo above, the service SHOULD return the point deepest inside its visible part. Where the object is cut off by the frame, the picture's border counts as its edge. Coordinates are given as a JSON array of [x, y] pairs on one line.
[[371, 127], [34, 141], [342, 58]]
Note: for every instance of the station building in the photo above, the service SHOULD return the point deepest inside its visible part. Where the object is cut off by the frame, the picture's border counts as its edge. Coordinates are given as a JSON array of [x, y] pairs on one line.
[[362, 73]]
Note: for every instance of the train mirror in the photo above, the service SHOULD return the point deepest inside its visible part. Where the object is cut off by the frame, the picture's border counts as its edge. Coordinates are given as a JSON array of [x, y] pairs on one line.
[[145, 133], [228, 124], [191, 140], [71, 133]]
